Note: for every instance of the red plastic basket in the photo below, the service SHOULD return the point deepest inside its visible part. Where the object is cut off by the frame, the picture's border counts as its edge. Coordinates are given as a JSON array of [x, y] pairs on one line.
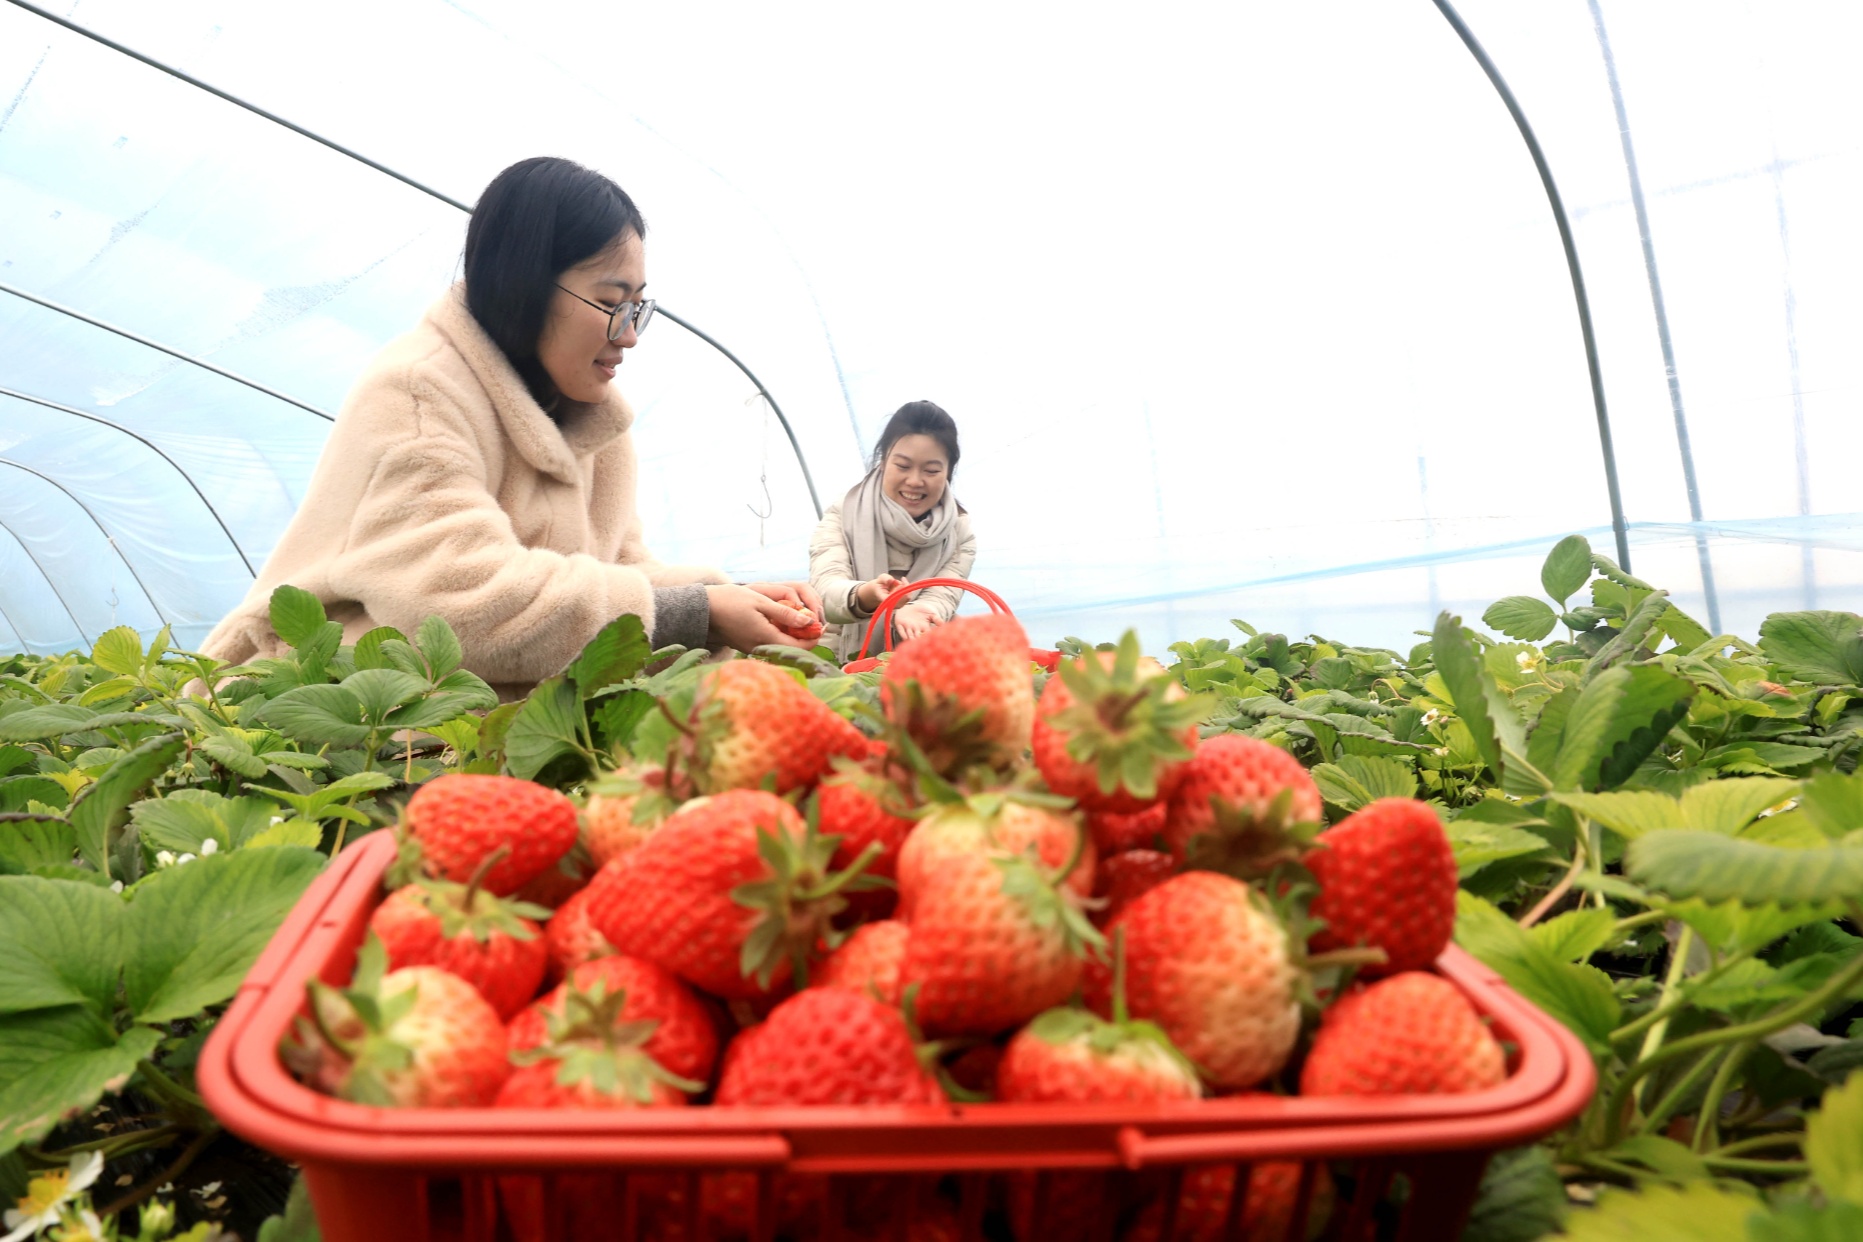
[[483, 1175], [881, 615]]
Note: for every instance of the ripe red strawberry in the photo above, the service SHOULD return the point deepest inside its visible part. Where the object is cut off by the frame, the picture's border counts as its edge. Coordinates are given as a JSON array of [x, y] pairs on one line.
[[806, 627], [1073, 1056], [996, 939], [993, 821], [827, 1046], [1203, 1205], [1115, 834], [1411, 1034], [560, 881], [490, 942], [753, 723], [732, 894], [1113, 730], [868, 961], [460, 820], [623, 807], [1387, 878], [413, 1038], [678, 1031], [572, 939], [1124, 878], [975, 699], [1207, 965], [1236, 801], [858, 803]]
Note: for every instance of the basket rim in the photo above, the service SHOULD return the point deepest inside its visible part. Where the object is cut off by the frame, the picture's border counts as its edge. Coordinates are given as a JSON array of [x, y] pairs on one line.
[[245, 1083]]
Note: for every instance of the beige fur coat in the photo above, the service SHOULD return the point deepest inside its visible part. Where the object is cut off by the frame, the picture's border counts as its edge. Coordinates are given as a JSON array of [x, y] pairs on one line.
[[445, 488]]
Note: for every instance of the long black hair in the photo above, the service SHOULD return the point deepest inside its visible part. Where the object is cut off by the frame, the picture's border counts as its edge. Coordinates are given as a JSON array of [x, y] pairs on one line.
[[919, 418], [537, 219]]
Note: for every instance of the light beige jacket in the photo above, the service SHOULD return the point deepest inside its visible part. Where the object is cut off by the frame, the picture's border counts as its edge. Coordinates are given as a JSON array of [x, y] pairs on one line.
[[445, 488], [831, 572]]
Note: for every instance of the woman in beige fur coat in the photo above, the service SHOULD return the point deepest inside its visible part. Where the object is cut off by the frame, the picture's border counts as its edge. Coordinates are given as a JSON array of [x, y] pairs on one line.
[[482, 468], [899, 524]]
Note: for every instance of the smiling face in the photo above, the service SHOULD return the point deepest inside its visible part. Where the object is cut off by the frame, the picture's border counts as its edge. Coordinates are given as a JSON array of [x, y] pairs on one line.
[[915, 472], [574, 349]]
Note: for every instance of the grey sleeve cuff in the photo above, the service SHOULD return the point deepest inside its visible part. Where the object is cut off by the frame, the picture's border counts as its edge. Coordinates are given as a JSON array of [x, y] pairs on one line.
[[682, 616]]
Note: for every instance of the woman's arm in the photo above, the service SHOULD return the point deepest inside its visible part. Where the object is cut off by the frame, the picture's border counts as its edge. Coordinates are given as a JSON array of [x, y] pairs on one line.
[[831, 570], [428, 536]]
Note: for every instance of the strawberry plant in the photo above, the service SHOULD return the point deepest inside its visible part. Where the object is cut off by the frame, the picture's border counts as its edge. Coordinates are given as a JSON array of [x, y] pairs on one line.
[[1655, 834]]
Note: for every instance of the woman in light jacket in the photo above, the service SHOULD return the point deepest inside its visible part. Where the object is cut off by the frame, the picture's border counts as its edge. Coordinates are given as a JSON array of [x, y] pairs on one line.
[[482, 468], [901, 523]]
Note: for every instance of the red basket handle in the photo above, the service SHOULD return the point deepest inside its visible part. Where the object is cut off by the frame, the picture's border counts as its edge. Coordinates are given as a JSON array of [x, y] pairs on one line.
[[892, 602]]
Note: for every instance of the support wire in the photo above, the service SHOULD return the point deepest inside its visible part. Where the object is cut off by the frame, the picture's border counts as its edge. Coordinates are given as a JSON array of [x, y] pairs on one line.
[[1618, 527]]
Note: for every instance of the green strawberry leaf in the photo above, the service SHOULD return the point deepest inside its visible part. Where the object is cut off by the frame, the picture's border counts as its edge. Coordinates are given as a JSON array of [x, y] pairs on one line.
[[1490, 716], [297, 615], [547, 728], [1834, 1142], [1690, 863], [64, 944], [28, 842], [57, 1063], [1576, 934], [618, 651], [1522, 1197], [1578, 995], [1522, 617], [193, 931], [1697, 1212], [1619, 717], [440, 646], [118, 651], [1825, 648], [187, 818], [1567, 568], [100, 812], [317, 715], [368, 651]]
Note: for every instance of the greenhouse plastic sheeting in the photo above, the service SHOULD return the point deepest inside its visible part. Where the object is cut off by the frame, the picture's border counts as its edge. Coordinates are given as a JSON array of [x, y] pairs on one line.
[[1243, 311]]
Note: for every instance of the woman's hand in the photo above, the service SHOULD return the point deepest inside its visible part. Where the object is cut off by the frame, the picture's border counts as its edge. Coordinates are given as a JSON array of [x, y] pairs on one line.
[[913, 620], [869, 594], [801, 618], [745, 618]]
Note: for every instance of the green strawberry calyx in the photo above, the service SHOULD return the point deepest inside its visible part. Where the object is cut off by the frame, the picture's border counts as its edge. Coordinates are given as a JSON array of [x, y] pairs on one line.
[[1126, 723], [592, 1041], [1136, 1039], [1249, 844], [1049, 903], [798, 899], [374, 1052]]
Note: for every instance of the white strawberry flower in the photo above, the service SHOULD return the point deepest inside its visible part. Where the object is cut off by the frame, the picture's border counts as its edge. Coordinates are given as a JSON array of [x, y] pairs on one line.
[[185, 858], [164, 858], [1526, 659], [1431, 717], [209, 846], [48, 1194]]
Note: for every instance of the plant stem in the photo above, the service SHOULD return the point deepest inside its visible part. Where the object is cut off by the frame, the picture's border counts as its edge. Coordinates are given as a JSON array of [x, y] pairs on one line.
[[1560, 889], [1640, 920], [1665, 1108], [1780, 1018], [167, 1175], [1709, 1126], [1678, 966], [1664, 1011], [1778, 1168], [1789, 1138], [172, 1093], [116, 1145]]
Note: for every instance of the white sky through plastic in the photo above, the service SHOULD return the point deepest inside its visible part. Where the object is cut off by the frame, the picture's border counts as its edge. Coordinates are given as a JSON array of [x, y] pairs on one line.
[[1243, 311]]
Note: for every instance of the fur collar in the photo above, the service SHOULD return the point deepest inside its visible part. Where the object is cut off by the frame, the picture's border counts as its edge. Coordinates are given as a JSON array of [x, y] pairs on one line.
[[552, 449]]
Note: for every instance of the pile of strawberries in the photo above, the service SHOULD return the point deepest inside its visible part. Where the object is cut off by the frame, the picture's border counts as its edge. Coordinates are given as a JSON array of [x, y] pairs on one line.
[[1033, 900]]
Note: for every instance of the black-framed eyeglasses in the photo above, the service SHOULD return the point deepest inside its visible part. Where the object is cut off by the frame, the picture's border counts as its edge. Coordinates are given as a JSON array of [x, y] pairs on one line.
[[640, 314]]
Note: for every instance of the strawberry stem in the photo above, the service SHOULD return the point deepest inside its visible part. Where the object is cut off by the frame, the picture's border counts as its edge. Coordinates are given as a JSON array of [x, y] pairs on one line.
[[1371, 955], [477, 881], [1119, 976]]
